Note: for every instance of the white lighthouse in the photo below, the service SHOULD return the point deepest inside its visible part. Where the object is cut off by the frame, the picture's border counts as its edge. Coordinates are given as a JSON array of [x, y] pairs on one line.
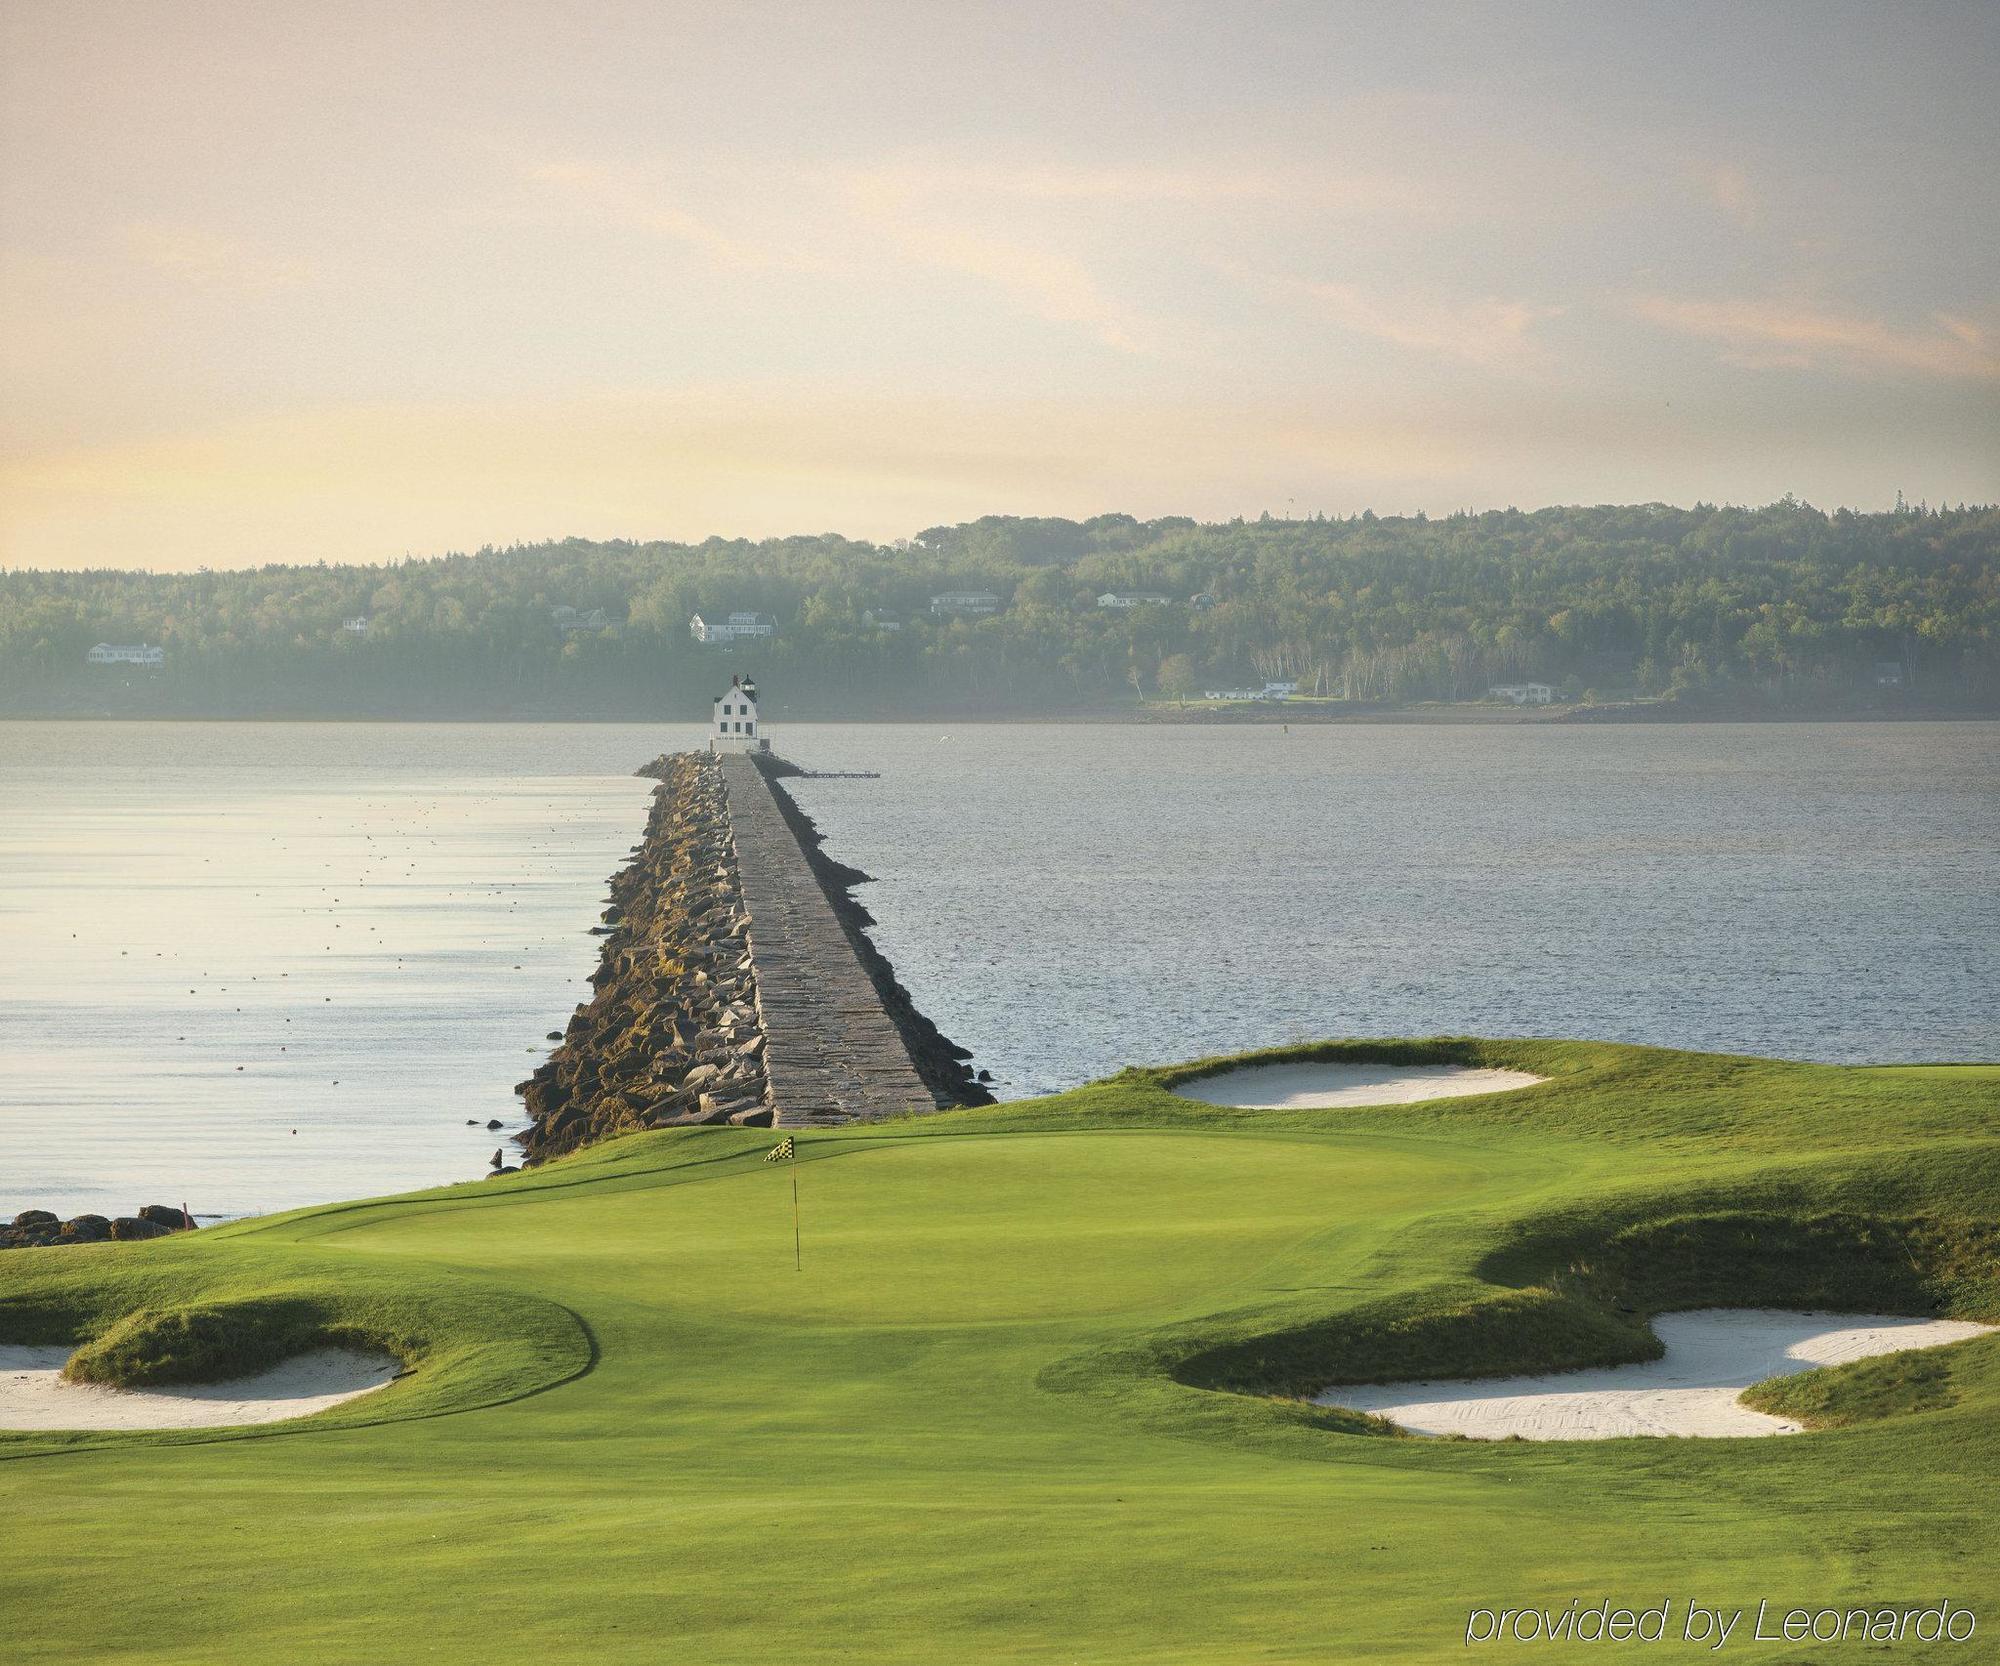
[[735, 727]]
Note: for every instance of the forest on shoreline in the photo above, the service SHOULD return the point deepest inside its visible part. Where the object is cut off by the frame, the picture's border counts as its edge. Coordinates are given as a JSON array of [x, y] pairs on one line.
[[1785, 610]]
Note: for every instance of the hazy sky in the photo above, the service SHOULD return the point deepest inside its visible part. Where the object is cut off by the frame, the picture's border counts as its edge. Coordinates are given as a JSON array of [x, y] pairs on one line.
[[288, 281]]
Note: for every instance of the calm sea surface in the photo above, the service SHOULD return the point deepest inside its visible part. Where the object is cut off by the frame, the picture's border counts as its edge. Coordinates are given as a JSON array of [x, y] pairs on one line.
[[255, 965]]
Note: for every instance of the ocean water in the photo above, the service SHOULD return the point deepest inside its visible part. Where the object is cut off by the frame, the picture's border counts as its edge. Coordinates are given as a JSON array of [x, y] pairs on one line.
[[1065, 900], [250, 966]]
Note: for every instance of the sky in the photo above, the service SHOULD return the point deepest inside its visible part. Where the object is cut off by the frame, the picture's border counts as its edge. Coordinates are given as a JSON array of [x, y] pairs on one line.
[[346, 281]]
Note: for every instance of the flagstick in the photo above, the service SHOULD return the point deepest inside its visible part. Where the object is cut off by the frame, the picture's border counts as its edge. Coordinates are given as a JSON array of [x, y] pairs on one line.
[[798, 1255]]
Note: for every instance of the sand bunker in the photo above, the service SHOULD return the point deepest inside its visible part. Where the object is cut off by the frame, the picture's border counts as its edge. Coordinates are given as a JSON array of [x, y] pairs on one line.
[[1711, 1357], [1285, 1087], [33, 1394]]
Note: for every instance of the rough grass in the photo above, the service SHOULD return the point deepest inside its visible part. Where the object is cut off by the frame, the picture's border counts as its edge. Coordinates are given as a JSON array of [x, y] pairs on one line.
[[1865, 1391], [984, 1425], [205, 1343]]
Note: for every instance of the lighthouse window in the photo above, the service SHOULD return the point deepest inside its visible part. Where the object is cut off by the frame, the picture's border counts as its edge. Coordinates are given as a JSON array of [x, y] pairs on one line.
[[750, 728]]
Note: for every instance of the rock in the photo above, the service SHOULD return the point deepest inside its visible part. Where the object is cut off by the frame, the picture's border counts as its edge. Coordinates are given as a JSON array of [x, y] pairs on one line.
[[499, 1159], [986, 1076], [567, 1117], [36, 1218], [165, 1214], [87, 1229], [554, 1035], [495, 1122], [129, 1228], [495, 1175], [757, 1116], [703, 1115]]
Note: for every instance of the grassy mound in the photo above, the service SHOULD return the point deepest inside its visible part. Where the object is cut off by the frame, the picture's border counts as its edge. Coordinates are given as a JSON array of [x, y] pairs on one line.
[[982, 1422], [233, 1301], [208, 1343], [1866, 1391], [1592, 1311], [1438, 1333], [1839, 1260]]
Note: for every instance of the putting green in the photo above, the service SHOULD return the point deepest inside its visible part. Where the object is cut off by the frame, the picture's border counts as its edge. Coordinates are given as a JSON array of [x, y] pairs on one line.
[[1019, 1404]]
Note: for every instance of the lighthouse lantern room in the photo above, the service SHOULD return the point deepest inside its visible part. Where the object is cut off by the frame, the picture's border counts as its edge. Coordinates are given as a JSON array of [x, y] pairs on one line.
[[736, 720]]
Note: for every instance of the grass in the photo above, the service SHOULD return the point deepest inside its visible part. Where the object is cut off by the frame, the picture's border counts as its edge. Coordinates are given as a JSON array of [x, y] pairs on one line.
[[1863, 1392], [153, 1347], [1032, 1396]]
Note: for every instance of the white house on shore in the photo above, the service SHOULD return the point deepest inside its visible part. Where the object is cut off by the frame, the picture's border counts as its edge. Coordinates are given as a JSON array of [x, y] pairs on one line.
[[732, 627], [126, 653], [1270, 691], [357, 626], [736, 719], [1132, 598], [949, 602], [1524, 694]]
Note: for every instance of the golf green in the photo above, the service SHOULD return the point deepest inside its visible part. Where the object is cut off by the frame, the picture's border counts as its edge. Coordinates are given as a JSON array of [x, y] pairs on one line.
[[1032, 1391]]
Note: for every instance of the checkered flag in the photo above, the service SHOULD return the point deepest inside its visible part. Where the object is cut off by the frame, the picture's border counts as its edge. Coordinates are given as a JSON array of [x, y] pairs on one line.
[[783, 1152]]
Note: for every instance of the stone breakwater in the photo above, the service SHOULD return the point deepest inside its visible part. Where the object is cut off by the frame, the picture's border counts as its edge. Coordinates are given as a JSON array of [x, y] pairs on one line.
[[736, 984], [672, 1036], [846, 1043]]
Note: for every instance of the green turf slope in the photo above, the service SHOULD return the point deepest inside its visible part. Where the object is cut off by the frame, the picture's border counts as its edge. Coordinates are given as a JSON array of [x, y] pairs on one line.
[[1027, 1400]]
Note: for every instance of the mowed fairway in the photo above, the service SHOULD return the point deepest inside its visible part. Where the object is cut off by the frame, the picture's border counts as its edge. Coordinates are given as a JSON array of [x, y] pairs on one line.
[[976, 1426]]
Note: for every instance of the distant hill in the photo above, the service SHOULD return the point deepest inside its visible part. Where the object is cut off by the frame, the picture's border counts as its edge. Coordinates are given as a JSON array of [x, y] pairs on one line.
[[1785, 608]]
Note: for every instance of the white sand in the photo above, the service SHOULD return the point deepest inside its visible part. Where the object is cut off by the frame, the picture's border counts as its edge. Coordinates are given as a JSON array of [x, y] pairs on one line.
[[1284, 1087], [1711, 1357], [33, 1394]]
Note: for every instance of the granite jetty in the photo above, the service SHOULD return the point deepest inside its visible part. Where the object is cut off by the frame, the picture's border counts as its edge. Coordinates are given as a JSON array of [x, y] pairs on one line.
[[737, 982]]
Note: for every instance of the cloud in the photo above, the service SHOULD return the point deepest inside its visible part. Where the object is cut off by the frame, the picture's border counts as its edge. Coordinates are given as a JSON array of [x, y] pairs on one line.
[[1055, 182], [628, 199], [1487, 331], [210, 261], [1770, 335], [1729, 188], [1049, 284], [1047, 281], [1015, 224], [1058, 182], [1026, 229]]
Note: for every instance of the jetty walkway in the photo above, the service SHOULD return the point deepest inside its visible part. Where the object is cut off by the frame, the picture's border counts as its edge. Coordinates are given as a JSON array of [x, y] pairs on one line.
[[832, 1053]]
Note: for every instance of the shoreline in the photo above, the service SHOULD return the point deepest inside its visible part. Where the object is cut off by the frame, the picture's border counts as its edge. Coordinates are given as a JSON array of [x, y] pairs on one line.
[[1304, 714]]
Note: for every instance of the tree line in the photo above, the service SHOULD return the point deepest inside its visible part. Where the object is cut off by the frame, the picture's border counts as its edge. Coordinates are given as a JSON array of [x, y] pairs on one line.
[[1785, 606]]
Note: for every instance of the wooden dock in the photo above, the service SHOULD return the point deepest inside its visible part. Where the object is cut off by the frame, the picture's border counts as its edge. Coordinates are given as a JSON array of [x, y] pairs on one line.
[[831, 1052]]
